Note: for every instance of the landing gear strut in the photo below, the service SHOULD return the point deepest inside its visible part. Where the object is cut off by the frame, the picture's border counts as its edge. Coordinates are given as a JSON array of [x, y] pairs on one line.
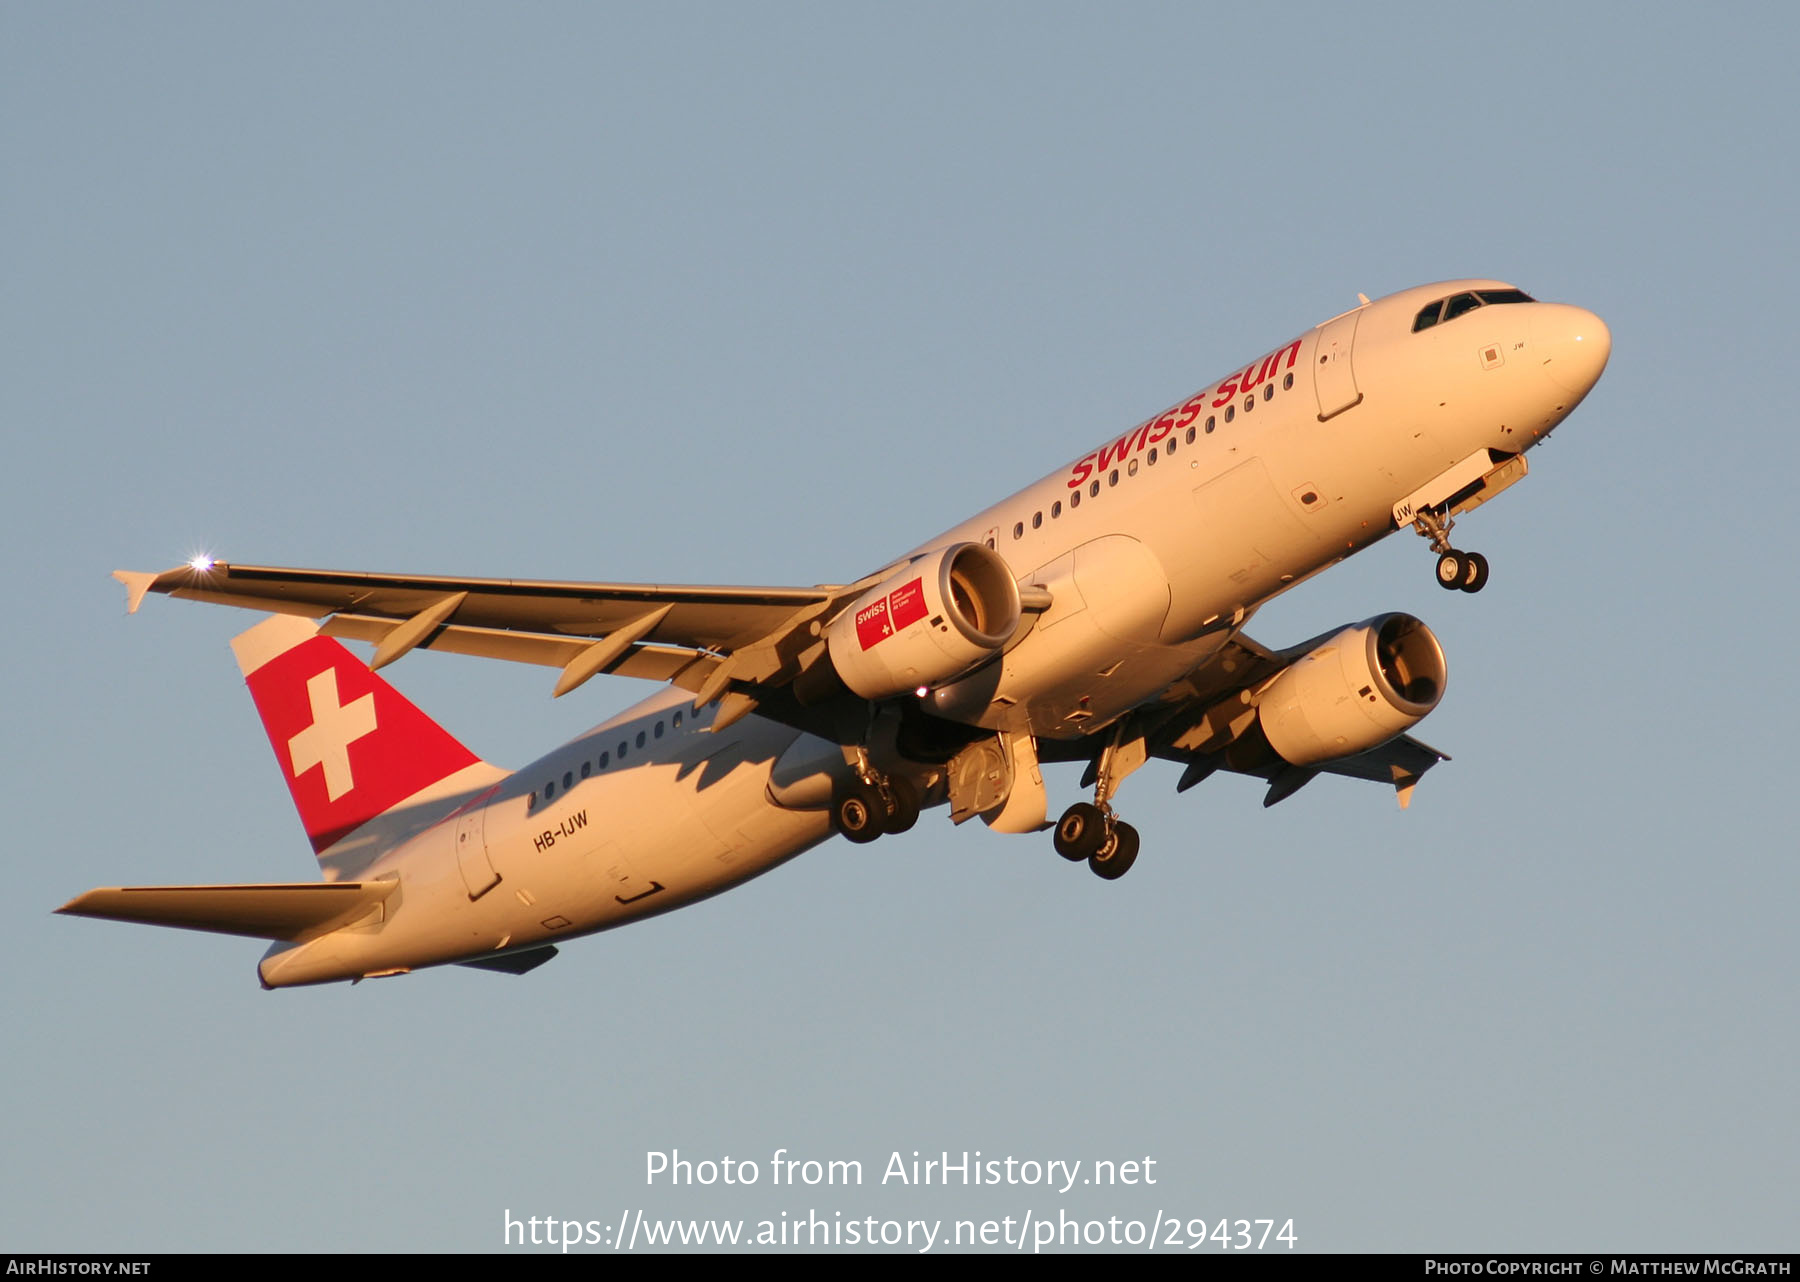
[[1467, 571], [1093, 832]]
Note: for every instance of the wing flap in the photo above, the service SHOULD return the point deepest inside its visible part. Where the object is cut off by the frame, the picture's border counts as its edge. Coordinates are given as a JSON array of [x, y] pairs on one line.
[[292, 912], [645, 660]]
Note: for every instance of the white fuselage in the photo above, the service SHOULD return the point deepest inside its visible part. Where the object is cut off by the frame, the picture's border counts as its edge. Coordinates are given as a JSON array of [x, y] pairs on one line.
[[1154, 548]]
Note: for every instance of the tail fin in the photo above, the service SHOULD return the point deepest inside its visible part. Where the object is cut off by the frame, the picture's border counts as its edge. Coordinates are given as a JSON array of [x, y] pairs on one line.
[[352, 747]]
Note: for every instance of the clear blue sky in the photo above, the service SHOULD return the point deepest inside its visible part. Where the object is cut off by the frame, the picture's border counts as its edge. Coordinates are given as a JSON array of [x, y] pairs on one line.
[[767, 295]]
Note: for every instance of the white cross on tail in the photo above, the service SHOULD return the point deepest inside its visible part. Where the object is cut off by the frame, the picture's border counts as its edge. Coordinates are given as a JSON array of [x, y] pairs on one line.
[[326, 742]]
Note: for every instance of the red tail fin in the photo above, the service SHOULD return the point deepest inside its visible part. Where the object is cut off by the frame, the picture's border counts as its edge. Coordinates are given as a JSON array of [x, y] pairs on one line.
[[352, 746]]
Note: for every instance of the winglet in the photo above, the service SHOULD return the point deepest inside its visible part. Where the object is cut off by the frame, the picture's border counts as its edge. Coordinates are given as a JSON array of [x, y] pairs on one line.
[[136, 584]]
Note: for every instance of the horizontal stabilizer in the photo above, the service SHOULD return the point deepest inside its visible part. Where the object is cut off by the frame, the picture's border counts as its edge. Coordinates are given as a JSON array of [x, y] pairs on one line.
[[288, 912]]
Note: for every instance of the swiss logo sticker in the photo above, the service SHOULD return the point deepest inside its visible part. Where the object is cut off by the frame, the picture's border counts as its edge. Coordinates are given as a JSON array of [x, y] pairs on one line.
[[873, 624], [899, 609]]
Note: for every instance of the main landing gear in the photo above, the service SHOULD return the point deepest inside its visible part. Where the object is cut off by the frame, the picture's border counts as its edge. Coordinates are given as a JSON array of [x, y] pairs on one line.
[[1091, 831], [1109, 844], [1465, 570], [865, 809]]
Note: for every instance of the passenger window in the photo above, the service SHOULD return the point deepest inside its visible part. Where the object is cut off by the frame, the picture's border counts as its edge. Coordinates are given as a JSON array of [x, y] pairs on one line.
[[1153, 454], [1131, 468], [1114, 478], [1019, 530], [1230, 412], [605, 760], [1211, 422], [1056, 509], [1037, 520], [1249, 402], [678, 715], [1094, 490], [1074, 499], [640, 739], [1287, 384], [568, 780], [587, 768], [658, 730], [549, 790], [1269, 392], [622, 746]]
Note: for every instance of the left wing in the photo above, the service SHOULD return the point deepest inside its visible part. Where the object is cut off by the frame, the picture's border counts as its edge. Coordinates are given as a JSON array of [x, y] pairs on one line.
[[714, 641]]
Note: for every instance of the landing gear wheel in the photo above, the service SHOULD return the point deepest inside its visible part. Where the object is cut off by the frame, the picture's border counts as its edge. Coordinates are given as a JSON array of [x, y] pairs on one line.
[[1116, 854], [1452, 570], [1475, 574], [860, 811], [1080, 832], [903, 810]]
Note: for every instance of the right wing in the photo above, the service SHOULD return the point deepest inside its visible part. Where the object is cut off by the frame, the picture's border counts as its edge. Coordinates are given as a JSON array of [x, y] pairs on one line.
[[1198, 720]]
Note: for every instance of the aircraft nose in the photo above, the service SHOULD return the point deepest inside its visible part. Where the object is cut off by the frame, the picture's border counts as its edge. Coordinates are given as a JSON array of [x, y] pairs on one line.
[[1573, 344]]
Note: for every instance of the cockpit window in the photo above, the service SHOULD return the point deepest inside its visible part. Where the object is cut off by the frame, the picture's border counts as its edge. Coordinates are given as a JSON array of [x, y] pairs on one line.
[[1459, 304], [1448, 309]]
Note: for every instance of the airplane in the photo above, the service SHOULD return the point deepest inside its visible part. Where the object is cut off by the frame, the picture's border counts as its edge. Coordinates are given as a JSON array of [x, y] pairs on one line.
[[1095, 616]]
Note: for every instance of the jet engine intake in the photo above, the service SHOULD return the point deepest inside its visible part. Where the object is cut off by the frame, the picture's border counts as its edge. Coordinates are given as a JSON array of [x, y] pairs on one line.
[[927, 623], [1355, 691]]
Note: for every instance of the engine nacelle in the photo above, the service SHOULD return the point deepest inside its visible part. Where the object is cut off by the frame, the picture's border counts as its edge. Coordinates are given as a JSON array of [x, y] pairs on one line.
[[927, 623], [1355, 691]]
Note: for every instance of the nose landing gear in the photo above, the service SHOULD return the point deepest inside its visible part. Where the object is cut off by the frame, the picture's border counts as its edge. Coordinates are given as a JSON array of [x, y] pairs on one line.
[[1467, 571]]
